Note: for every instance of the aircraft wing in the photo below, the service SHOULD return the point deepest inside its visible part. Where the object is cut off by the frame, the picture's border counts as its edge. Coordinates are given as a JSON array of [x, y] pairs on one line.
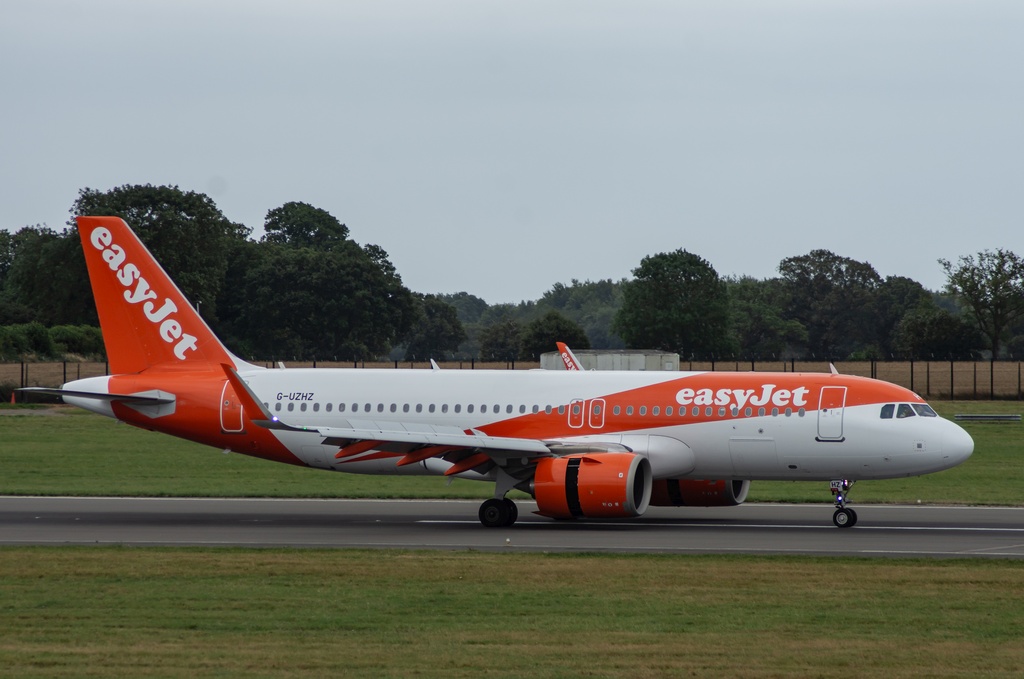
[[341, 436]]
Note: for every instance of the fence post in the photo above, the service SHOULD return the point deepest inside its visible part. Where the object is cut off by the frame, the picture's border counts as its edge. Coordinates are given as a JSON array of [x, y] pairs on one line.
[[992, 379], [951, 390], [911, 374]]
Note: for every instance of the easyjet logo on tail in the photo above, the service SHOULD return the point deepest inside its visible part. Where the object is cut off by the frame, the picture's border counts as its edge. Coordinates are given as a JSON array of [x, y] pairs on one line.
[[139, 292]]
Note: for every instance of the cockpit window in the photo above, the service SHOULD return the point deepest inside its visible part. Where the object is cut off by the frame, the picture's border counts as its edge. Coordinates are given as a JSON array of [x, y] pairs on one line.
[[887, 411], [904, 410], [924, 410]]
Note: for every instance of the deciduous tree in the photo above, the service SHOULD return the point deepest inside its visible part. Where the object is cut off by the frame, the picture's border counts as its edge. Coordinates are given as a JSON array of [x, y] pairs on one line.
[[542, 334], [990, 286], [677, 302]]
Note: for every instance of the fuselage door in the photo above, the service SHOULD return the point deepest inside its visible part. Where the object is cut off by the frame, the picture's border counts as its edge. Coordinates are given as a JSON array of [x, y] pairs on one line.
[[230, 411], [830, 413]]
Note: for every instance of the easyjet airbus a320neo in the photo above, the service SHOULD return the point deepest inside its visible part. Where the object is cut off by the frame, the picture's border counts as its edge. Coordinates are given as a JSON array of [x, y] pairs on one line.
[[583, 444]]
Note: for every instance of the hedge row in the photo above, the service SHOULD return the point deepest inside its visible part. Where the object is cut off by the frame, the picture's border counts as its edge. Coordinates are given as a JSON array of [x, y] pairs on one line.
[[34, 340]]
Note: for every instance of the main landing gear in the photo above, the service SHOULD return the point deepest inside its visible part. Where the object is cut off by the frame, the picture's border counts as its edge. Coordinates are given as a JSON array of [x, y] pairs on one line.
[[498, 513], [844, 517]]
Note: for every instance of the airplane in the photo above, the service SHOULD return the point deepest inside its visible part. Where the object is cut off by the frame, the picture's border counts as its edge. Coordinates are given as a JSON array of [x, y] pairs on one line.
[[583, 444]]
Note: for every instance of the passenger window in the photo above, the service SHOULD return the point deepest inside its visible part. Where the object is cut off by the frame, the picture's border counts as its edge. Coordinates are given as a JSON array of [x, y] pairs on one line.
[[302, 407], [904, 410], [405, 408], [458, 407], [887, 411], [419, 407], [748, 412], [444, 407], [643, 410], [561, 410], [668, 411], [394, 407], [536, 409], [329, 407], [431, 407], [547, 410], [277, 406], [629, 410], [380, 407], [291, 407], [469, 408], [316, 407], [522, 409], [655, 411], [709, 411]]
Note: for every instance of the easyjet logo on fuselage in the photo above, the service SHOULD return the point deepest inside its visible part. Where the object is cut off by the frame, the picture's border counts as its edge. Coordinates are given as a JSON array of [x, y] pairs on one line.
[[769, 393], [139, 292]]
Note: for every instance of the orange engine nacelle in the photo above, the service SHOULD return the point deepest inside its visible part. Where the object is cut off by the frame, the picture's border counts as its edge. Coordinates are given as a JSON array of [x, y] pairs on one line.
[[608, 485], [698, 493]]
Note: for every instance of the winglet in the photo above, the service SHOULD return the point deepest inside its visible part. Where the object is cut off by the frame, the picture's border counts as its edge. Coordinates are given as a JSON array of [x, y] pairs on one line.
[[250, 403], [568, 358]]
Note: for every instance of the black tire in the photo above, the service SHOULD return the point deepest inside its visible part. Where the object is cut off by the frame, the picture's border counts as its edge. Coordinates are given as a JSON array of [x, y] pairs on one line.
[[844, 518], [494, 513], [513, 512]]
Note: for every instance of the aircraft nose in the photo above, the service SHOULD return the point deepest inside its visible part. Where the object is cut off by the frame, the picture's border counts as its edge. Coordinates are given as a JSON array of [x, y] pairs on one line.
[[958, 444]]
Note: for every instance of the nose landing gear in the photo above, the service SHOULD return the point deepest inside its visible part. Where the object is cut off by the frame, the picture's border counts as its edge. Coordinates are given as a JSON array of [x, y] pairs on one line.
[[844, 517]]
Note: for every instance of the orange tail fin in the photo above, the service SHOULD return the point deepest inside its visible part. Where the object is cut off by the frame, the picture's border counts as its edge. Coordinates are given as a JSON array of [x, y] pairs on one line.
[[145, 319]]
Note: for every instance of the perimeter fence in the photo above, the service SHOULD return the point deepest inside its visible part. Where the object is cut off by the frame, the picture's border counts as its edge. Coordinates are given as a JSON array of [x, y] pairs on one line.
[[977, 380]]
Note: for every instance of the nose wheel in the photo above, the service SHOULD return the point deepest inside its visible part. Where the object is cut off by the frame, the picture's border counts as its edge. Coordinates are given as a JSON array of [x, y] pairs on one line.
[[843, 517]]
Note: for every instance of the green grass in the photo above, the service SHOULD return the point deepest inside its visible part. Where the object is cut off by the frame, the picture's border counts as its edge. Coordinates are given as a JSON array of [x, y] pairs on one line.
[[119, 612], [77, 453]]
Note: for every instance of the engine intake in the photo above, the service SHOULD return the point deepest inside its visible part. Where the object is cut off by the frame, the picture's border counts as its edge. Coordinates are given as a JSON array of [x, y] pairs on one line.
[[607, 485]]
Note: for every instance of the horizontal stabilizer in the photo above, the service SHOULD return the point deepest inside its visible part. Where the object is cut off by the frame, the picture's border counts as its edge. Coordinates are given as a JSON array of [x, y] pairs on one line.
[[128, 399]]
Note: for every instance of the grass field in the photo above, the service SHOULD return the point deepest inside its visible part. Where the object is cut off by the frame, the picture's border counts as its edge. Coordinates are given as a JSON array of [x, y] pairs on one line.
[[77, 453], [77, 612]]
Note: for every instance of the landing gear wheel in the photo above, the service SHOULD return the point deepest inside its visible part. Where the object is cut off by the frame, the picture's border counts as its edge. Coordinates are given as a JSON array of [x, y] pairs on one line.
[[844, 518], [513, 511], [495, 513]]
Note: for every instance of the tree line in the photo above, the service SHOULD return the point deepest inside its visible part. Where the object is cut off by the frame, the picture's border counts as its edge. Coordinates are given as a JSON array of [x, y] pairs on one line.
[[306, 290]]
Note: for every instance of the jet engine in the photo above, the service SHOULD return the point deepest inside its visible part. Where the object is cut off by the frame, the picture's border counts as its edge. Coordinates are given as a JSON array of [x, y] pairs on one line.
[[698, 493], [606, 485]]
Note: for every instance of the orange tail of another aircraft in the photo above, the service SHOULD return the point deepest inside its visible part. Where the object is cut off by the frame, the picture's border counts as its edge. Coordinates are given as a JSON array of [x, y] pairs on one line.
[[157, 325]]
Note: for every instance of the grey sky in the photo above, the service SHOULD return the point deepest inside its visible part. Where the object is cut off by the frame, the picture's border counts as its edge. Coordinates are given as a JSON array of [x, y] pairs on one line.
[[500, 147]]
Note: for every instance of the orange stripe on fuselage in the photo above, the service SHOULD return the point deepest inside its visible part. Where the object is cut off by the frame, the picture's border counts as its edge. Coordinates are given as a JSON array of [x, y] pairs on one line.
[[721, 392]]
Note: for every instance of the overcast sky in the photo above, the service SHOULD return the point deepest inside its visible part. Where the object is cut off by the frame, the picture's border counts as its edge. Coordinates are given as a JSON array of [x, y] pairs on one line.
[[501, 147]]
